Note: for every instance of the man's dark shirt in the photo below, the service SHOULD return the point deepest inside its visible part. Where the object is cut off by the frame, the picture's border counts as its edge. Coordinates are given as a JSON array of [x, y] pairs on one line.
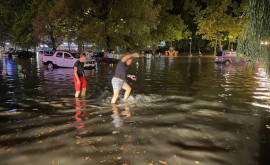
[[121, 70], [79, 65]]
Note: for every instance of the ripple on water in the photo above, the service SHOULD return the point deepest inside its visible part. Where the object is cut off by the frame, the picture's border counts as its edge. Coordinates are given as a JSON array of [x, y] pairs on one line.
[[181, 111]]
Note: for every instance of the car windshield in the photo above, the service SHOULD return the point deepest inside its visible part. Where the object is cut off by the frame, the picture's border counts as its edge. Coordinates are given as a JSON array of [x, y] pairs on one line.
[[219, 53]]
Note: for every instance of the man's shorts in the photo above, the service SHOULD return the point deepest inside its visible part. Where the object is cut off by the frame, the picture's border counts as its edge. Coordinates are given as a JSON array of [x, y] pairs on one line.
[[117, 84], [83, 83]]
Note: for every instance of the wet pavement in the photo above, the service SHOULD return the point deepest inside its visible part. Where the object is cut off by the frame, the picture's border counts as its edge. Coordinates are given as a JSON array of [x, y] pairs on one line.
[[181, 111]]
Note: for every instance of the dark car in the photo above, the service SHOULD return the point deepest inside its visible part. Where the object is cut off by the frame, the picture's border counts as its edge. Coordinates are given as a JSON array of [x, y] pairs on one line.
[[10, 53], [26, 54], [97, 55]]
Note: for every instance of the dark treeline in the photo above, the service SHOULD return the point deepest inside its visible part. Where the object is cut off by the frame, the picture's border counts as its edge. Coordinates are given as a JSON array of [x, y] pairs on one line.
[[129, 24]]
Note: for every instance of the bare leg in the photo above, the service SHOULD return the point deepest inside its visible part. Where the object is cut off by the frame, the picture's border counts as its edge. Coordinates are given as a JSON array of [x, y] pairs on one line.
[[115, 96], [83, 91], [128, 90], [77, 93]]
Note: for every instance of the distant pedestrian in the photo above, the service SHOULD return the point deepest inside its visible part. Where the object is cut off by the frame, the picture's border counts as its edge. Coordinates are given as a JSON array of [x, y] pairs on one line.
[[118, 81], [79, 78], [142, 54], [200, 53], [110, 56]]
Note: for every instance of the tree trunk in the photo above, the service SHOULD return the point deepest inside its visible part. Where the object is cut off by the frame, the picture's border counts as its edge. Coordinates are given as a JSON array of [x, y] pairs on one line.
[[53, 44], [229, 44], [79, 46], [108, 42], [215, 48], [154, 51], [219, 42]]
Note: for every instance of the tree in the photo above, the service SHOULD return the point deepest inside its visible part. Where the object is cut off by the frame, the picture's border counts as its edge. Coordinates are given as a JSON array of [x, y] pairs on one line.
[[49, 23], [110, 23], [217, 19], [23, 31], [255, 40], [171, 26], [11, 11]]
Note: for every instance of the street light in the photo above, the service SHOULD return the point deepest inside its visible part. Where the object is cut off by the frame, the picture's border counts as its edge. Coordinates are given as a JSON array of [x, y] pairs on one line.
[[265, 43], [190, 43]]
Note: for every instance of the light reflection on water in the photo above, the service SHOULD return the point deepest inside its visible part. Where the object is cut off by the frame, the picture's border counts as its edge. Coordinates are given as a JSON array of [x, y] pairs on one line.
[[181, 111]]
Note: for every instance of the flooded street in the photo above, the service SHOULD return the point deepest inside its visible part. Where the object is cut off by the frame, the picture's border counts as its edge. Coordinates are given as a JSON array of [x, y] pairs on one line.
[[181, 111]]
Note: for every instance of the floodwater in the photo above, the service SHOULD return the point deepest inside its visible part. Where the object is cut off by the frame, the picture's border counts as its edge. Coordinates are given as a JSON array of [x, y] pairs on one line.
[[181, 111]]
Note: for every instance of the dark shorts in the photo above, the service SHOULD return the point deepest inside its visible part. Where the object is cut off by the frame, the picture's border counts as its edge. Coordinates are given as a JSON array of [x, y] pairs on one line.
[[110, 60], [82, 85]]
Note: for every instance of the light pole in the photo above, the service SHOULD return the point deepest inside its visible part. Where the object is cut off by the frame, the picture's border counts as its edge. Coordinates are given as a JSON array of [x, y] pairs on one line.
[[190, 43]]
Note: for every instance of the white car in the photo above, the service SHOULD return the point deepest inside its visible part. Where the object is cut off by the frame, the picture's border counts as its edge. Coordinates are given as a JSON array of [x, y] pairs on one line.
[[65, 59], [45, 52], [42, 53], [90, 64]]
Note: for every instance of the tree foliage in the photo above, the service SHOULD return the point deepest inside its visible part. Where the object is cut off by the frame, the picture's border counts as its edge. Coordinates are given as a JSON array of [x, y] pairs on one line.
[[22, 28], [171, 26], [110, 23], [132, 24], [253, 41], [218, 20], [11, 11], [49, 23]]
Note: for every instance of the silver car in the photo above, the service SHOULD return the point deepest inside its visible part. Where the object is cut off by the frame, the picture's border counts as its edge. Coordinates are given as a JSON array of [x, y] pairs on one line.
[[225, 56]]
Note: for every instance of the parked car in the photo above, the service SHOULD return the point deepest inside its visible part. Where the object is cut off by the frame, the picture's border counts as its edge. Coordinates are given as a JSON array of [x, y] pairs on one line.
[[9, 53], [97, 55], [16, 53], [65, 59], [225, 56], [88, 54], [90, 64], [45, 52], [42, 53], [26, 54]]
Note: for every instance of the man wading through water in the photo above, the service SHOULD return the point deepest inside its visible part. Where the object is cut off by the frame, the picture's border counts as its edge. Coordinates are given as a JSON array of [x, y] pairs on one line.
[[118, 81], [79, 79]]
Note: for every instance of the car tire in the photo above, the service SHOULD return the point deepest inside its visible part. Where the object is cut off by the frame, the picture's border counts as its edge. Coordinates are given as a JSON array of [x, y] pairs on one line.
[[50, 65]]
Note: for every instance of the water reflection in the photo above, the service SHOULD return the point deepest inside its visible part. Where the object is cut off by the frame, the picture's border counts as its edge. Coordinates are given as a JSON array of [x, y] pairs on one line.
[[119, 116], [181, 111], [171, 60], [81, 113]]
